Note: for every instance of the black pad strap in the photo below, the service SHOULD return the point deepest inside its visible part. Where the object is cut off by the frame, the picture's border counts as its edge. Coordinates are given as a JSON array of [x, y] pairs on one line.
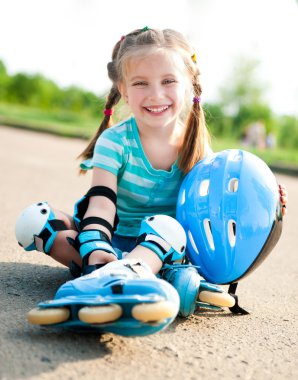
[[102, 191], [57, 225], [96, 220], [44, 236]]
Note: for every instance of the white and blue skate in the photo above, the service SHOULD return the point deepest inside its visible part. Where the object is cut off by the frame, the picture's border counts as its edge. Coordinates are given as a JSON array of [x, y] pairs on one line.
[[194, 291], [123, 297]]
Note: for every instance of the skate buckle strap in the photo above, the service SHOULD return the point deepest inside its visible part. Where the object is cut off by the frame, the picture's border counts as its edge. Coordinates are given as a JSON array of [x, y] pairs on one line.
[[140, 269]]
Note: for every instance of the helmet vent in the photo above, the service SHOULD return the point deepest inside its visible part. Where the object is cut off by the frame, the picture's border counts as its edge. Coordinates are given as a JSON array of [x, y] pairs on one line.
[[208, 232], [192, 242], [204, 188], [182, 198], [232, 232], [233, 185]]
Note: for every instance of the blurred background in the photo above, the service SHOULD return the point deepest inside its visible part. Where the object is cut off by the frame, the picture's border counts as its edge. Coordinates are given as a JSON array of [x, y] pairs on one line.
[[53, 57]]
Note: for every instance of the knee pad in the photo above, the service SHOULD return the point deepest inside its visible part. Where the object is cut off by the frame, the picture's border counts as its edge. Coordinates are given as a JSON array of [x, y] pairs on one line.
[[165, 236], [36, 228]]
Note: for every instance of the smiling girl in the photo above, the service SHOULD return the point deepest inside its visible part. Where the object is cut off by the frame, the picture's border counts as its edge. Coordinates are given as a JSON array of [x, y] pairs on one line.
[[137, 169]]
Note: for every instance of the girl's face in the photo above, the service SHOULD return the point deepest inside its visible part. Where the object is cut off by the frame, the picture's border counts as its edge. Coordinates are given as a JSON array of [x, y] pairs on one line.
[[155, 88]]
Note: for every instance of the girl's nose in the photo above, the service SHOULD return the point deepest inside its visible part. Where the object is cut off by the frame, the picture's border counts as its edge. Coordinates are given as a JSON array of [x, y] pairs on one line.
[[156, 92]]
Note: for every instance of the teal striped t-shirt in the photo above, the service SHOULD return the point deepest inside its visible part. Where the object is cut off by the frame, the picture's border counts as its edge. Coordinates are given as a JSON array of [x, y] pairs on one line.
[[142, 190]]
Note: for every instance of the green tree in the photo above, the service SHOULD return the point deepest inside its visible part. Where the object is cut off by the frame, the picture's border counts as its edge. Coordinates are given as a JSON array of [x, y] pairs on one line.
[[4, 81], [21, 89], [242, 97], [219, 124], [288, 132], [242, 87], [250, 113]]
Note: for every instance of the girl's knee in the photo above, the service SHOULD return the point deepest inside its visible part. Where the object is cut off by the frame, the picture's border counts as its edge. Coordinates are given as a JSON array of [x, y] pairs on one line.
[[165, 236], [38, 225]]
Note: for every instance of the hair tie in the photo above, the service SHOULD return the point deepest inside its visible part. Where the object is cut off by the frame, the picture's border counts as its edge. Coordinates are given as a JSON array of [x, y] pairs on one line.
[[196, 99], [194, 58], [121, 39], [145, 29], [108, 111]]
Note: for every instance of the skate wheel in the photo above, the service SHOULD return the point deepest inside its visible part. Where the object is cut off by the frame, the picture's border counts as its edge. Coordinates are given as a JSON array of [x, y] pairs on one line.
[[216, 298], [153, 312], [48, 316], [100, 314]]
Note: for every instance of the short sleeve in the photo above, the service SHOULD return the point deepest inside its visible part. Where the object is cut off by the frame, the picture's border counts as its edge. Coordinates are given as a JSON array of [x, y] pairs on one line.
[[108, 153]]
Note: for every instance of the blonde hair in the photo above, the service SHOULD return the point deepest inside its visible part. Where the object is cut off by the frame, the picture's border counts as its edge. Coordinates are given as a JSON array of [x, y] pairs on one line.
[[135, 44]]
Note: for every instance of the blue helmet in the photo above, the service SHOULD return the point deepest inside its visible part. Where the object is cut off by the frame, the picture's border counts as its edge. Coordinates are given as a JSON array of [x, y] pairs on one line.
[[229, 206]]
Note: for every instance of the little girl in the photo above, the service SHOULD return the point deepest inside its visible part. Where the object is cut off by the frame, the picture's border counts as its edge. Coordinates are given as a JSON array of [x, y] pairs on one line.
[[138, 165]]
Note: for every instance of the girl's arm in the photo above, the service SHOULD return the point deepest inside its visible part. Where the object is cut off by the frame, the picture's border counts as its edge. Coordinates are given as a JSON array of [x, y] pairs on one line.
[[102, 207]]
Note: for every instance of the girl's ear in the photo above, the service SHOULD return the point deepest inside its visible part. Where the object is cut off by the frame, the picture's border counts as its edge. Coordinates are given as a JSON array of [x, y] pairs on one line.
[[123, 92]]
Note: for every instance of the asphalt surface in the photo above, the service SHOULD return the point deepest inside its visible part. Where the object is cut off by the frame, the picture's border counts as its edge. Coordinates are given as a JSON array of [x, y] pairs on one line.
[[208, 345]]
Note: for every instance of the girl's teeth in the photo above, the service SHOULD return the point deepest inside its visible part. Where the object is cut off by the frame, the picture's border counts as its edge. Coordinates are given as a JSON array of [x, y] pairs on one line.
[[157, 110]]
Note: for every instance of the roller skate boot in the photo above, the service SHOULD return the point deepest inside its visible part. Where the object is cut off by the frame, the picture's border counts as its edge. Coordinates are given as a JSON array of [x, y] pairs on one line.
[[194, 291], [123, 297]]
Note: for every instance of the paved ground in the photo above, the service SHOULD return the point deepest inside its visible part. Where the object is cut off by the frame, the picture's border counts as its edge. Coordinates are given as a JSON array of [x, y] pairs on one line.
[[209, 345]]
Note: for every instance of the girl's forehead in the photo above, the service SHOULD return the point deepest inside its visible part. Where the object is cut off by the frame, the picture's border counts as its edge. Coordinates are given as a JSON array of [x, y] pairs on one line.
[[163, 59]]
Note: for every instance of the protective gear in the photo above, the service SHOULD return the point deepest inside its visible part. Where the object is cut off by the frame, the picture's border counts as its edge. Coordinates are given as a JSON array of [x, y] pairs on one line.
[[189, 285], [186, 281], [36, 228], [92, 240], [82, 205], [229, 206], [124, 297], [85, 243], [163, 235]]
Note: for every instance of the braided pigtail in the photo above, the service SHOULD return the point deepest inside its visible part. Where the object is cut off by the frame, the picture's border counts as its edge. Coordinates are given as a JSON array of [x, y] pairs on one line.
[[196, 135], [113, 99]]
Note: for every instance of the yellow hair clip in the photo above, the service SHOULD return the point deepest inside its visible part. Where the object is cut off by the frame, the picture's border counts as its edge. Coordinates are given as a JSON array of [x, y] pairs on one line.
[[194, 58]]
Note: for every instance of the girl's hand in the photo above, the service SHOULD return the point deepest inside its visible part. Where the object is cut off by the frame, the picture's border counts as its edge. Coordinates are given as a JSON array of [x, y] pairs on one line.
[[283, 198]]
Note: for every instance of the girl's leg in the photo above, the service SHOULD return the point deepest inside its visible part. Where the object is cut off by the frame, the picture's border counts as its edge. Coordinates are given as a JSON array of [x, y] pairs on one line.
[[42, 228], [124, 243], [129, 244], [162, 240], [62, 251], [146, 255]]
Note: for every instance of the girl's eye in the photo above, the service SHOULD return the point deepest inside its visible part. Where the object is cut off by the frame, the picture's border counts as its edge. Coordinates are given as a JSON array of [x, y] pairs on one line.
[[169, 81], [139, 84]]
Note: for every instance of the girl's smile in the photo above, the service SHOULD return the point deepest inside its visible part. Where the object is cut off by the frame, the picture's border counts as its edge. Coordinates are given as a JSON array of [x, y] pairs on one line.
[[157, 110]]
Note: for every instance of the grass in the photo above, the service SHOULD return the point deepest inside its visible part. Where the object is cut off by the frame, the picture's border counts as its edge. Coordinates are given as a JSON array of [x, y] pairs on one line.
[[63, 123], [82, 125]]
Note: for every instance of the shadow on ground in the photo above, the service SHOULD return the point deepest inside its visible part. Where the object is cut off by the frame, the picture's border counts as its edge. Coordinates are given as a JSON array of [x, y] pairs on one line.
[[40, 349]]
